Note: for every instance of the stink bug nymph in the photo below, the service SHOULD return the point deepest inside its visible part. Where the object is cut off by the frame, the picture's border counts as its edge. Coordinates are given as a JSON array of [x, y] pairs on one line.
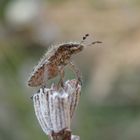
[[54, 61]]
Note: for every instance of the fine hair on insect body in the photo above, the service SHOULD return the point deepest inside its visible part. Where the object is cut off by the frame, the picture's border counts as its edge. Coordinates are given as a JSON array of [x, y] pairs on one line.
[[54, 62]]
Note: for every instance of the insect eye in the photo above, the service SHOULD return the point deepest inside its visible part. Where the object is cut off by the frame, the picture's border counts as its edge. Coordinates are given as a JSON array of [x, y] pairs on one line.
[[73, 48]]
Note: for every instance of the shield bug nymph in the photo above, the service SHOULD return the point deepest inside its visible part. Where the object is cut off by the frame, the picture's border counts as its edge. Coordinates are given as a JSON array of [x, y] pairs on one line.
[[54, 61]]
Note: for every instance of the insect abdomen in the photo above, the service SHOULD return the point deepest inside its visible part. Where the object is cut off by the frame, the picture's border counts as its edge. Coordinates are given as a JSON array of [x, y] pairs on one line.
[[36, 78], [43, 74]]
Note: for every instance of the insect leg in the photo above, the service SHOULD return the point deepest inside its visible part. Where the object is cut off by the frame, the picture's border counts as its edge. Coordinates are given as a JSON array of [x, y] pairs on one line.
[[76, 70], [45, 77], [61, 81]]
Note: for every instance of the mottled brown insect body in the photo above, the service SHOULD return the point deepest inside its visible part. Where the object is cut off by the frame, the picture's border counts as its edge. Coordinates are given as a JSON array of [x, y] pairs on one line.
[[53, 62]]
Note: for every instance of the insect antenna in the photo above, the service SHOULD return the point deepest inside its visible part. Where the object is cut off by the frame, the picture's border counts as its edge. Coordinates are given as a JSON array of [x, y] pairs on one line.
[[95, 42], [83, 39]]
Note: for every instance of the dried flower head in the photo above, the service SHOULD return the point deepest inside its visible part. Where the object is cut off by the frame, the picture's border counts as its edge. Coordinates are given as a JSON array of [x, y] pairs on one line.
[[54, 108]]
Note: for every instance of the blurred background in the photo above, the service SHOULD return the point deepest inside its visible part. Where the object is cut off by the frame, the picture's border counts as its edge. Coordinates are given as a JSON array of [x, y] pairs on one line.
[[109, 108]]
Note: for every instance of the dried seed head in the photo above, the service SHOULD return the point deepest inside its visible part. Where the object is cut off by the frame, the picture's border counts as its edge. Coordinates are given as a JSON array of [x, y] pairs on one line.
[[55, 108]]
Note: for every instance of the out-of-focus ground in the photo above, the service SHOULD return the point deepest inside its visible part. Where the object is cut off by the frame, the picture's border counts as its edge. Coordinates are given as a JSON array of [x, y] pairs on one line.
[[110, 102]]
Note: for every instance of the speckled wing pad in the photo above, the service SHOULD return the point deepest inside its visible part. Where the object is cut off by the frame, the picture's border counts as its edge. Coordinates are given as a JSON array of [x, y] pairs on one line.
[[42, 73], [36, 78]]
